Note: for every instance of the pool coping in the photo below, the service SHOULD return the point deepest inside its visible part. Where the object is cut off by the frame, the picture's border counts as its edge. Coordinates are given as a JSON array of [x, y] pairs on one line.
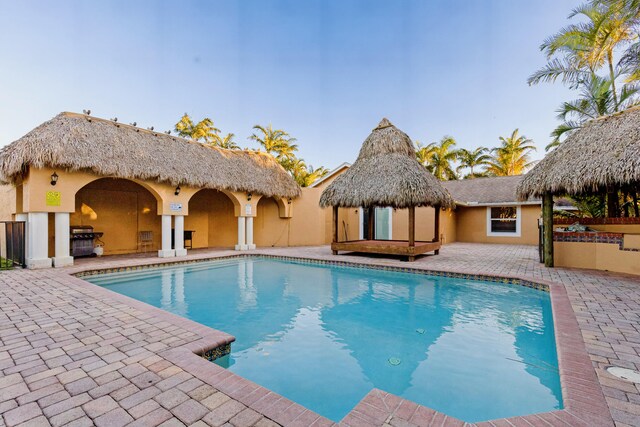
[[583, 399]]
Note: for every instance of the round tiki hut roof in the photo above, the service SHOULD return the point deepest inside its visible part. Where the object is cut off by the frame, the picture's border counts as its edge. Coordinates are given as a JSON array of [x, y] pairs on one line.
[[78, 142], [604, 152], [386, 173]]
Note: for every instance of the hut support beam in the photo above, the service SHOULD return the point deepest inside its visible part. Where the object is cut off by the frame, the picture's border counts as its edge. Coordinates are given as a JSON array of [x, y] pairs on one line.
[[547, 221], [166, 251], [37, 240], [242, 240], [436, 227], [250, 244], [178, 235], [62, 252], [334, 230], [412, 229]]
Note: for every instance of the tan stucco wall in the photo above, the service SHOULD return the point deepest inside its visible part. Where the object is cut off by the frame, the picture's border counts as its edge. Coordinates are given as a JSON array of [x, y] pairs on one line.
[[120, 209], [471, 226], [632, 241], [7, 202], [211, 216], [599, 256]]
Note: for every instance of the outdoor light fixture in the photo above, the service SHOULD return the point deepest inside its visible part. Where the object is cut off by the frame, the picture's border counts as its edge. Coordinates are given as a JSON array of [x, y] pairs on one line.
[[177, 190], [249, 196], [54, 178]]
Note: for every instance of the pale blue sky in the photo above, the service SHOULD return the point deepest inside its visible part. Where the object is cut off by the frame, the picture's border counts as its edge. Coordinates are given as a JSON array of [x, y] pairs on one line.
[[324, 70]]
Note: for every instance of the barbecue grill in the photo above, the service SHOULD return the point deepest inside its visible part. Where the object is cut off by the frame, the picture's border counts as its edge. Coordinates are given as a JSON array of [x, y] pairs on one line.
[[83, 240]]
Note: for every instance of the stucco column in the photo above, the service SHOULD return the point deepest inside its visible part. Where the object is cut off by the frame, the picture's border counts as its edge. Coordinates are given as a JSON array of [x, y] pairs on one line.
[[178, 225], [166, 251], [62, 254], [250, 244], [38, 240], [242, 244]]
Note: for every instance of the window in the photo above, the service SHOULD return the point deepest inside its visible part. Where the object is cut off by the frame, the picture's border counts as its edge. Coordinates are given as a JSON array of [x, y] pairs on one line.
[[503, 221]]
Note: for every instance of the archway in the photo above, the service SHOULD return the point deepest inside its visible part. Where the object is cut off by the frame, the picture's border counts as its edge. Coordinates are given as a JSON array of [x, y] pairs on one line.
[[211, 217], [269, 228], [121, 209]]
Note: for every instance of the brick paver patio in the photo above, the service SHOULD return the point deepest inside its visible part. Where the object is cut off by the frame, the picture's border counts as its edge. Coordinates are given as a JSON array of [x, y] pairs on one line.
[[75, 354]]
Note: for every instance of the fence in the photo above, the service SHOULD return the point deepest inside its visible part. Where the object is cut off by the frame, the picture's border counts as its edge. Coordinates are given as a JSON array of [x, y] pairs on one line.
[[12, 244]]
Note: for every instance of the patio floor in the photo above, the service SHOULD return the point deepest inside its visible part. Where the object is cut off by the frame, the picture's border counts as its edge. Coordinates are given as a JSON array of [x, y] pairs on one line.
[[74, 354]]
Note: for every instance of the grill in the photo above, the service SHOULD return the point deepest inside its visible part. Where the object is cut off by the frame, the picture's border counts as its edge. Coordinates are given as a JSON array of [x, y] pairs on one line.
[[83, 240]]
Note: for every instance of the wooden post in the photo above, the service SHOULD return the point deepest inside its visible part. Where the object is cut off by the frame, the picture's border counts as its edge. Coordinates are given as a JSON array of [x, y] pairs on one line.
[[335, 228], [412, 226], [436, 227], [436, 224], [372, 219], [547, 221], [412, 231]]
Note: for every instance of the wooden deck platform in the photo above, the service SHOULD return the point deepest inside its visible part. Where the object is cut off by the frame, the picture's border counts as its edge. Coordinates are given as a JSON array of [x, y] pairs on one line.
[[387, 247]]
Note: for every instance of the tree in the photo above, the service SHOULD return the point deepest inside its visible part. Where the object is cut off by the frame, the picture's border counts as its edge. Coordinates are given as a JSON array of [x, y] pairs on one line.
[[512, 157], [578, 51], [438, 157], [275, 142], [596, 99], [470, 159], [228, 142], [203, 131]]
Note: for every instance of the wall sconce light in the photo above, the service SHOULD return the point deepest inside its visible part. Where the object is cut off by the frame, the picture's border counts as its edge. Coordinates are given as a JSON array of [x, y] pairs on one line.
[[249, 196], [54, 178], [177, 190]]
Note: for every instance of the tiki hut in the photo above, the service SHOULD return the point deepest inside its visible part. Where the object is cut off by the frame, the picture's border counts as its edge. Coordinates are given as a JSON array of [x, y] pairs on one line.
[[386, 174], [603, 154], [78, 142]]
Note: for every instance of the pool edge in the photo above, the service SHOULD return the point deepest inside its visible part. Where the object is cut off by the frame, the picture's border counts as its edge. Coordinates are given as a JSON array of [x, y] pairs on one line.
[[583, 399]]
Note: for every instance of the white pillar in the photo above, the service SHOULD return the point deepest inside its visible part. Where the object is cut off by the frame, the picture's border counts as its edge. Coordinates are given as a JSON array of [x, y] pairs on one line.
[[62, 254], [242, 244], [250, 244], [178, 226], [166, 251], [38, 240]]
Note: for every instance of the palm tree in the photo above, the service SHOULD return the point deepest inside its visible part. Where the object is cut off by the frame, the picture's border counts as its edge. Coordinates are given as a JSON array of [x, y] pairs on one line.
[[596, 99], [304, 175], [586, 47], [228, 142], [276, 142], [203, 131], [512, 157], [471, 159], [439, 157]]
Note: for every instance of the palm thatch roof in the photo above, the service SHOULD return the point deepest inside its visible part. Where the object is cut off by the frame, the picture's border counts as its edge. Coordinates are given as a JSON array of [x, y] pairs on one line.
[[604, 152], [386, 173], [76, 142]]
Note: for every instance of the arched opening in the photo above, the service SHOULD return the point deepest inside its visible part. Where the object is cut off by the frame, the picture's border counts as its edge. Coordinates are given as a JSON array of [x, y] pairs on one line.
[[211, 217], [121, 209], [269, 229]]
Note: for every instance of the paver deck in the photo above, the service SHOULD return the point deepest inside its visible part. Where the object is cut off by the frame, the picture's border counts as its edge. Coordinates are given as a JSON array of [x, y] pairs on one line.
[[75, 354]]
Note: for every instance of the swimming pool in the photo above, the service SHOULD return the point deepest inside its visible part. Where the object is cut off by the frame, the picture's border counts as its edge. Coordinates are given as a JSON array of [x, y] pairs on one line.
[[325, 335]]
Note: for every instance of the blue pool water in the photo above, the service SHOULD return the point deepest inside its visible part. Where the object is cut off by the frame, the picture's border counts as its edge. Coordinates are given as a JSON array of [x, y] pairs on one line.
[[324, 336]]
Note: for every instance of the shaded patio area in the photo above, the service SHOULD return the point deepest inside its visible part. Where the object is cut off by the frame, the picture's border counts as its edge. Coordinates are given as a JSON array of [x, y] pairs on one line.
[[74, 353]]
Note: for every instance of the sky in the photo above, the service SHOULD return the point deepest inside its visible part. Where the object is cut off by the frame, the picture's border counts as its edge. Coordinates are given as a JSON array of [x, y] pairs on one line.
[[326, 71]]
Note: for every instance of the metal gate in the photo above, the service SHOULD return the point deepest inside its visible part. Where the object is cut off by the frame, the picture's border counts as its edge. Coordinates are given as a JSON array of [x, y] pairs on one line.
[[12, 244]]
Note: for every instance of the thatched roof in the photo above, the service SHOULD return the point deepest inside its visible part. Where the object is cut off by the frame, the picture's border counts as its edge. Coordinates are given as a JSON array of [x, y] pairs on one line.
[[76, 142], [386, 173], [604, 152]]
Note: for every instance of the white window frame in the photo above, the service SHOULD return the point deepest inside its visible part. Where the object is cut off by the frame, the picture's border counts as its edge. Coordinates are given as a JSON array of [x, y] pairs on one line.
[[505, 234], [361, 220]]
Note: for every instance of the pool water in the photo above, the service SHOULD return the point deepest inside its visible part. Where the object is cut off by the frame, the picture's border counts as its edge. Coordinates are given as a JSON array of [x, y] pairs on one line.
[[324, 335]]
